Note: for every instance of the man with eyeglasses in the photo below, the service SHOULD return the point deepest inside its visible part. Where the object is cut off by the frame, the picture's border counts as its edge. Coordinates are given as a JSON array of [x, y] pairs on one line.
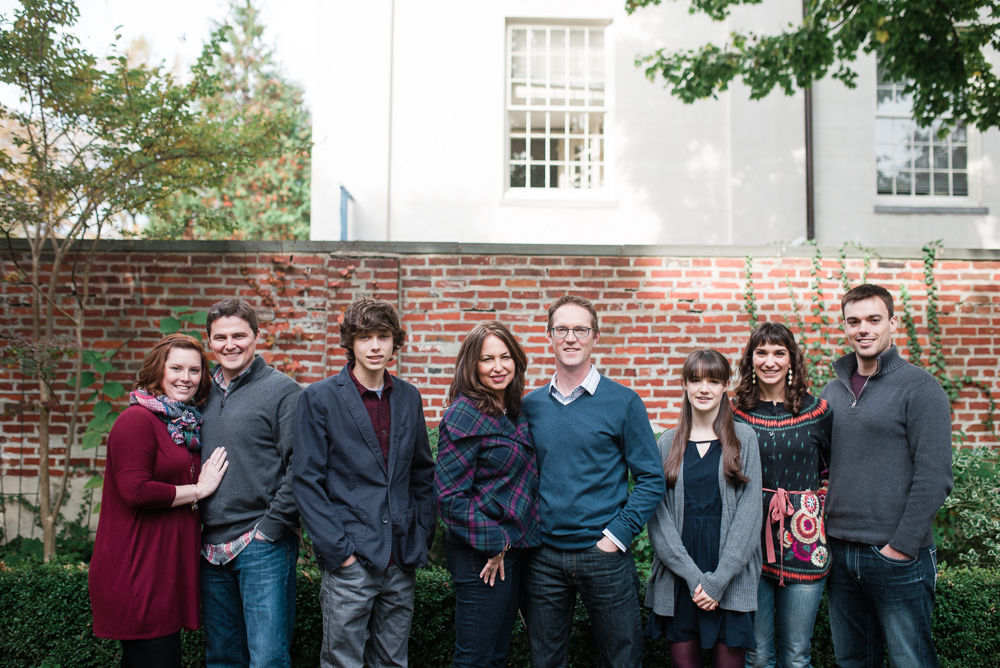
[[590, 433]]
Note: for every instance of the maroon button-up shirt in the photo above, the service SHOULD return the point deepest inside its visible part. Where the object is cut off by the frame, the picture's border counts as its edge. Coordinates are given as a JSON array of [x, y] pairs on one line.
[[378, 410]]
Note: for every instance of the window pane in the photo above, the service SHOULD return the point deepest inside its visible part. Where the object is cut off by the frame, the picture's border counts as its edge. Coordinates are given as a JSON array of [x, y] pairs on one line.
[[517, 149], [517, 176], [517, 93], [538, 149], [577, 123], [519, 67], [519, 40], [941, 184], [596, 123], [517, 120], [921, 157], [959, 134], [537, 176], [923, 183], [884, 184], [538, 40], [538, 67], [576, 39], [557, 37], [960, 184], [904, 183], [959, 158], [883, 130], [884, 98], [575, 149], [940, 157], [921, 134]]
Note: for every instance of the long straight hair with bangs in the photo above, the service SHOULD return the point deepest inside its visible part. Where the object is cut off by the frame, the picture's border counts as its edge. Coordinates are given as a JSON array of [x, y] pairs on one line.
[[706, 363], [466, 382]]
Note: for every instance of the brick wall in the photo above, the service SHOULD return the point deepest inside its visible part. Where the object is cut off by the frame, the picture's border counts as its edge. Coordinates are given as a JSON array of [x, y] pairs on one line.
[[655, 305]]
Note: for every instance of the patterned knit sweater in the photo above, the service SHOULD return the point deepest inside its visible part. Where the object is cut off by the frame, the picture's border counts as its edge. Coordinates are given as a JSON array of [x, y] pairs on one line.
[[794, 449]]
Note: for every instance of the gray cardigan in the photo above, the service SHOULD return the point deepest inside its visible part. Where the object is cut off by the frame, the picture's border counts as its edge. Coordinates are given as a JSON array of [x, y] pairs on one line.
[[734, 583], [890, 468]]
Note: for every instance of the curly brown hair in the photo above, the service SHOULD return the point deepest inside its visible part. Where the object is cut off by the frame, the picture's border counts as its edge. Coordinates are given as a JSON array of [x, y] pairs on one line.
[[747, 393], [153, 365], [372, 316], [466, 382]]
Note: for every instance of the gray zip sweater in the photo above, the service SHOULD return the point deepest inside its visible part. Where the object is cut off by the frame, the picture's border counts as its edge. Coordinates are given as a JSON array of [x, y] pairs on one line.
[[734, 582], [255, 422], [890, 467]]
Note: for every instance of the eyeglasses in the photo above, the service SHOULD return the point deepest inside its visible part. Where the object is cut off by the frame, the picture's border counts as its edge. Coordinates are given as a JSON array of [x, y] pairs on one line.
[[578, 332]]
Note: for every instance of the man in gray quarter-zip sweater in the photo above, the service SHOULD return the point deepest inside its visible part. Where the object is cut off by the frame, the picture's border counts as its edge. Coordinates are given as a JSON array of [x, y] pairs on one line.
[[249, 543], [890, 471]]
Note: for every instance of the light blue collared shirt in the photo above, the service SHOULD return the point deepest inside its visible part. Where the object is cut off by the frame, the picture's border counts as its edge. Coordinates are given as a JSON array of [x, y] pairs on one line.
[[589, 385]]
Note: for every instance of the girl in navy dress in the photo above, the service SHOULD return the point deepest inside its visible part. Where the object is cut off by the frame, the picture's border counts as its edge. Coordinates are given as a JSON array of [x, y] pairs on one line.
[[705, 533]]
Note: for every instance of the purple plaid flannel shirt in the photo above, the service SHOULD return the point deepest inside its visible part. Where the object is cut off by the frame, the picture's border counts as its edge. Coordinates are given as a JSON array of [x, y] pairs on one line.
[[486, 479]]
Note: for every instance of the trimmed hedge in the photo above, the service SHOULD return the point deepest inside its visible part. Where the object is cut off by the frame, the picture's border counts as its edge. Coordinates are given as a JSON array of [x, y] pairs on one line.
[[45, 623]]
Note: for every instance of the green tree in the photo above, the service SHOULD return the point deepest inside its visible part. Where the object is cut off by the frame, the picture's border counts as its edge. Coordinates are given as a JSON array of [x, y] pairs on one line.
[[940, 48], [85, 143], [269, 198]]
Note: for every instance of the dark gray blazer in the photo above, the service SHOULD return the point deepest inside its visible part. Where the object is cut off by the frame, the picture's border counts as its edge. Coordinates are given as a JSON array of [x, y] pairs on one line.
[[349, 501]]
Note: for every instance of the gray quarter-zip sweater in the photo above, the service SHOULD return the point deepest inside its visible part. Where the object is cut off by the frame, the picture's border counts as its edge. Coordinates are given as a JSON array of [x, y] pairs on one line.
[[255, 422], [890, 465]]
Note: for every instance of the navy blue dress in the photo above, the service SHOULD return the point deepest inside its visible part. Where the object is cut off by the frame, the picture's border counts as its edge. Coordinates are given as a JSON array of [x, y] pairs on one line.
[[700, 536]]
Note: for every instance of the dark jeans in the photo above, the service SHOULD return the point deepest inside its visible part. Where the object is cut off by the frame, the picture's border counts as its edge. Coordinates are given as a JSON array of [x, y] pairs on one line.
[[484, 615], [163, 652], [609, 587], [876, 602], [248, 606]]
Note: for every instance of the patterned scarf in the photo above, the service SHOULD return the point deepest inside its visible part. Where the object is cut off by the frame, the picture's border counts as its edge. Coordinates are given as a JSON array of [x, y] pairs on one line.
[[183, 421]]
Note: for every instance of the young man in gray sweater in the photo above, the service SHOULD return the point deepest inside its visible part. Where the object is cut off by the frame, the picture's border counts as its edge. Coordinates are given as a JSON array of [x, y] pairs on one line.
[[248, 541], [890, 471]]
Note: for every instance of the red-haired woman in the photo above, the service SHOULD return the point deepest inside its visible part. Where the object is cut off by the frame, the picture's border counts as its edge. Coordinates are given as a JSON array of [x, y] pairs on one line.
[[486, 488], [703, 584], [793, 434], [144, 573]]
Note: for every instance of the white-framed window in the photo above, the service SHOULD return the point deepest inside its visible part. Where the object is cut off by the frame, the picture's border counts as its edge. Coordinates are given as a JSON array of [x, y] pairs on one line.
[[556, 107], [912, 161]]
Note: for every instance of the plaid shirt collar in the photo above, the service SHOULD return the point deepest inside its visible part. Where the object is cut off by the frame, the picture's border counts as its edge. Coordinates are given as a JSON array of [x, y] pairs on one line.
[[221, 381]]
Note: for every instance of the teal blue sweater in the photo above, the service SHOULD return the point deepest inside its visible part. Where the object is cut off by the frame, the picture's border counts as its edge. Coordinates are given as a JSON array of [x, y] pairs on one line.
[[585, 452]]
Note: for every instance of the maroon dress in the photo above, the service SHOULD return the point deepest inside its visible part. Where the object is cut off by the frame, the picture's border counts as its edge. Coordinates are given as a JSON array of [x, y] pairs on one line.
[[144, 573]]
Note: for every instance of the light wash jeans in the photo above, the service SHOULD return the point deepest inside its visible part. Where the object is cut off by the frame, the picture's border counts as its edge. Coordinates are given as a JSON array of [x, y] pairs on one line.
[[248, 606], [783, 624], [366, 617]]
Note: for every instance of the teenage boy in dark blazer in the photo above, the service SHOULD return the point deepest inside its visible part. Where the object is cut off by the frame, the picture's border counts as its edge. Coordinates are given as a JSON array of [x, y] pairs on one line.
[[363, 478]]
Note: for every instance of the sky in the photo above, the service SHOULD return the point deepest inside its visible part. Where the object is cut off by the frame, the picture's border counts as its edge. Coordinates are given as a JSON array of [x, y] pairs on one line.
[[177, 29]]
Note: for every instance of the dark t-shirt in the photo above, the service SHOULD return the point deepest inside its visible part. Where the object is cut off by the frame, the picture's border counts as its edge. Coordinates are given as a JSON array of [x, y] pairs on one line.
[[857, 384]]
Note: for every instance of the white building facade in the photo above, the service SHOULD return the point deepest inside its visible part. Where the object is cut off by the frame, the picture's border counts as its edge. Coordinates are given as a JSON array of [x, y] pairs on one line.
[[527, 121]]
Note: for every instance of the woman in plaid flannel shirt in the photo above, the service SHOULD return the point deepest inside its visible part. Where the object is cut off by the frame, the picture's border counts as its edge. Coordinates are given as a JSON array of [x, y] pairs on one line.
[[486, 490]]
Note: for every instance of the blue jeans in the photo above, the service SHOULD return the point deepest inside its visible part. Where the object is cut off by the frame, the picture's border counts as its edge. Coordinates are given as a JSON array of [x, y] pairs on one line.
[[248, 606], [484, 615], [783, 623], [876, 602], [609, 587]]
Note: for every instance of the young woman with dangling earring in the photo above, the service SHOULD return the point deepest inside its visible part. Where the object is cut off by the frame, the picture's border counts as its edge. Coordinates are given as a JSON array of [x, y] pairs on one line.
[[703, 583], [793, 434]]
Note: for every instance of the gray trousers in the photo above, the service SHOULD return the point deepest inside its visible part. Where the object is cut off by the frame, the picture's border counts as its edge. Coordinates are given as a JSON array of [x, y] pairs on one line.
[[366, 617]]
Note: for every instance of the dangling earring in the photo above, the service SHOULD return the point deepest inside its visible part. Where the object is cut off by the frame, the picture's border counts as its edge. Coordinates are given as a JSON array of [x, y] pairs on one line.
[[754, 381], [789, 376]]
